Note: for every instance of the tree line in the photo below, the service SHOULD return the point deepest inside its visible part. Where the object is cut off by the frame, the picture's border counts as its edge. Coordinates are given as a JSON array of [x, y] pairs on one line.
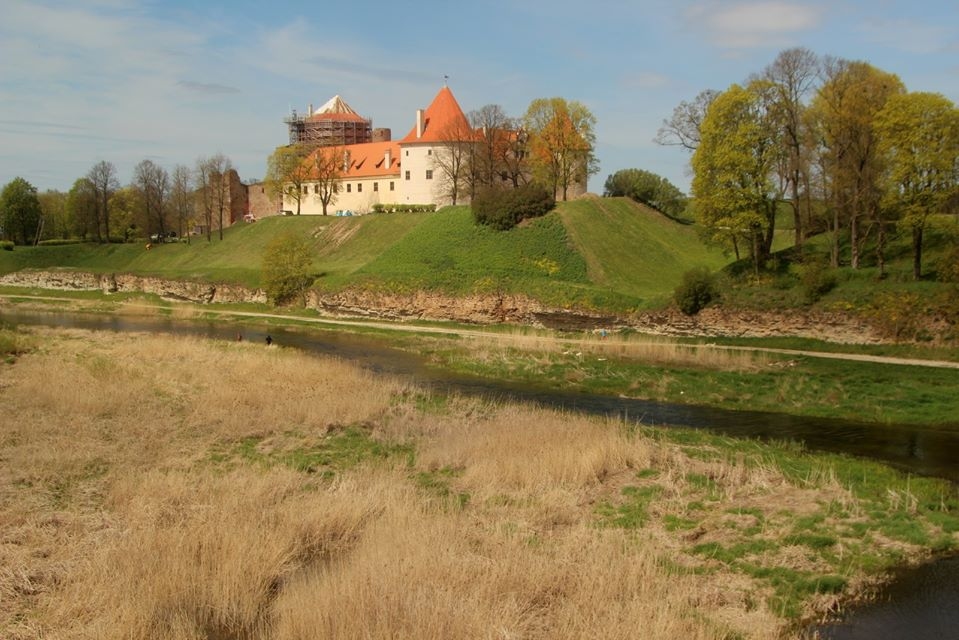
[[155, 203], [844, 145]]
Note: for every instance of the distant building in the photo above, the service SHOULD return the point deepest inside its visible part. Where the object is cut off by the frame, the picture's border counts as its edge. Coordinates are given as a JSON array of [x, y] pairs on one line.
[[335, 123], [417, 169], [394, 172]]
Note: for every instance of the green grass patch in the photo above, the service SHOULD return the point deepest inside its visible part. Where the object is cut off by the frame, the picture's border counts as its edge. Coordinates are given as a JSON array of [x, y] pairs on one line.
[[337, 451]]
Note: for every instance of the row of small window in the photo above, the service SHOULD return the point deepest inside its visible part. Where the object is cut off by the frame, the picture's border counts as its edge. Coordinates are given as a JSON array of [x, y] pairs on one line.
[[349, 187], [359, 185]]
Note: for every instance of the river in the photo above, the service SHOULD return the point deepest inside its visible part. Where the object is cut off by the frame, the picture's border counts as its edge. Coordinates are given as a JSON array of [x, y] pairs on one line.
[[918, 604]]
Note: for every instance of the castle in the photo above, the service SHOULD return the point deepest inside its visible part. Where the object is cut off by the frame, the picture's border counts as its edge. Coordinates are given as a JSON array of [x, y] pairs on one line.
[[372, 169]]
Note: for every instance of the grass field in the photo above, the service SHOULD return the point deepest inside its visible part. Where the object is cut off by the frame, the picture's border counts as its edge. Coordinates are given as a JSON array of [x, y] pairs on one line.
[[179, 488]]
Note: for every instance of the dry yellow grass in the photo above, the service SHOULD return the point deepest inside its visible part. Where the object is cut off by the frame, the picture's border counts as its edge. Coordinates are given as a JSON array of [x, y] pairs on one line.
[[119, 520], [642, 348]]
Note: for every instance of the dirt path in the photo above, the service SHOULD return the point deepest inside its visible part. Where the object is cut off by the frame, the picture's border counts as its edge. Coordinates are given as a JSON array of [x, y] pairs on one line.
[[479, 333]]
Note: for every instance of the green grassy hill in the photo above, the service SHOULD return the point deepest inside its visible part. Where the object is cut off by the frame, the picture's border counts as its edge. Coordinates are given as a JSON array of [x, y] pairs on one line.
[[595, 253]]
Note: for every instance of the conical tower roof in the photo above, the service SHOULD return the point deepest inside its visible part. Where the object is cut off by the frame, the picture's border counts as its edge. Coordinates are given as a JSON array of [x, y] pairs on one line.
[[442, 117], [337, 109]]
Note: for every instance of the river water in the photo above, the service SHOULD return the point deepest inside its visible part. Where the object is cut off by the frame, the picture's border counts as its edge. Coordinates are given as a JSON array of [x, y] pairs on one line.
[[919, 604]]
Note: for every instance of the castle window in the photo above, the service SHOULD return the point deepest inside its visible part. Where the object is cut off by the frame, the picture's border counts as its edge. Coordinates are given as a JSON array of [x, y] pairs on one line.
[[349, 188], [376, 186], [429, 152], [407, 152], [407, 175], [359, 187], [316, 188], [429, 174], [391, 185], [306, 188]]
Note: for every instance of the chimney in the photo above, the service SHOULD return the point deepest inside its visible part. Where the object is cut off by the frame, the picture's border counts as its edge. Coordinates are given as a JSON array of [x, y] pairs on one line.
[[419, 123], [311, 109], [346, 160], [388, 159]]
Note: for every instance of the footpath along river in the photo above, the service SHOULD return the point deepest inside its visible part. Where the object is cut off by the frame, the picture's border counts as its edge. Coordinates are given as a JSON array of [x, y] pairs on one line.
[[918, 604]]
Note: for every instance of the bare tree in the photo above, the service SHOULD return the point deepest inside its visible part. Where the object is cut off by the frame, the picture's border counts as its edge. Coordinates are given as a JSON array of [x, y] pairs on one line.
[[213, 188], [327, 167], [103, 178], [792, 76], [682, 129], [152, 182], [182, 198], [454, 158]]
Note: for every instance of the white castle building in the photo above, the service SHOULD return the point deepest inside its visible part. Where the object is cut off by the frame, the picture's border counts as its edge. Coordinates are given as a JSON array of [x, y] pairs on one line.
[[402, 172]]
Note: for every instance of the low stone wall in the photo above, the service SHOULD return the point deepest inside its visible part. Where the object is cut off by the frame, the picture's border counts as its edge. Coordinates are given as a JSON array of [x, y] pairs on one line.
[[203, 292], [481, 309]]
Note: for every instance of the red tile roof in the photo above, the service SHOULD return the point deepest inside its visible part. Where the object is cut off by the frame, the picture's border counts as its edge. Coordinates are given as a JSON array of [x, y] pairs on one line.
[[442, 116], [367, 160]]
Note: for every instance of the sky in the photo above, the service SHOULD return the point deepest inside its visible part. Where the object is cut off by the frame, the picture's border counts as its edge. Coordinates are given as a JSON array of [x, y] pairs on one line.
[[173, 81]]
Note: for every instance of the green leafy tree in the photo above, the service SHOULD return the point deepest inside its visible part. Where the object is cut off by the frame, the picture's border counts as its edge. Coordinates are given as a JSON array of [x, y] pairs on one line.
[[648, 188], [735, 198], [843, 113], [20, 211], [561, 142], [287, 266], [82, 208], [919, 143], [56, 222]]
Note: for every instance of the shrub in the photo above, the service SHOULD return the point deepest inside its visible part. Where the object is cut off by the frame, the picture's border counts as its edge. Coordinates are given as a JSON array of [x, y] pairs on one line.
[[503, 209], [817, 280], [381, 207], [697, 289], [6, 245], [286, 268]]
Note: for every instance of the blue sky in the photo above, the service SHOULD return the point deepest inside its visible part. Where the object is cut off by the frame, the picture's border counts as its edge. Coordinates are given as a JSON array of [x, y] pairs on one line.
[[125, 80]]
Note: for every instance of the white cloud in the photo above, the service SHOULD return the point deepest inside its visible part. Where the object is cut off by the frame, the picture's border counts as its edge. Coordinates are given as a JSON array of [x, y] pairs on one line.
[[747, 25]]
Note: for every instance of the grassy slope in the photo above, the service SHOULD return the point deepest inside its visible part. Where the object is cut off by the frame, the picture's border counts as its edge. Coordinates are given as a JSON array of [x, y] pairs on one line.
[[631, 248], [606, 253]]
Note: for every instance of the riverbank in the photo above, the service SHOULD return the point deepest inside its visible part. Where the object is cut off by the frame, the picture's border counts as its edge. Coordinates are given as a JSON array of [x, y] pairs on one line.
[[168, 486], [854, 382]]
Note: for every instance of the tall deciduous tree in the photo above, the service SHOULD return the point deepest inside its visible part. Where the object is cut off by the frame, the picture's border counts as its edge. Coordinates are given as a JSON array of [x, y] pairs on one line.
[[20, 211], [82, 208], [182, 199], [738, 149], [152, 183], [103, 177], [454, 159], [326, 169], [212, 177], [791, 77], [561, 141], [844, 111], [919, 143], [56, 221], [288, 172]]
